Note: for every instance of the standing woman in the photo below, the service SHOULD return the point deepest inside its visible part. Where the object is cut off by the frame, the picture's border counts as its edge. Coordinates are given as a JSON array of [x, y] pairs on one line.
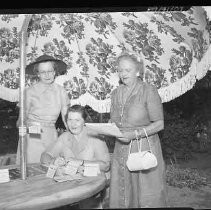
[[44, 101], [136, 105]]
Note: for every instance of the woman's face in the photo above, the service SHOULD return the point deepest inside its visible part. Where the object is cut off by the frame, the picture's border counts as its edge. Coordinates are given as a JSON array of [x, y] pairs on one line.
[[127, 70], [46, 72], [75, 122]]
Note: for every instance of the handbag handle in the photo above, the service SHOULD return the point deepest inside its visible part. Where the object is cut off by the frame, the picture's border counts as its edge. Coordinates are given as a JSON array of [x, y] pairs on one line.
[[139, 146], [147, 139], [131, 145]]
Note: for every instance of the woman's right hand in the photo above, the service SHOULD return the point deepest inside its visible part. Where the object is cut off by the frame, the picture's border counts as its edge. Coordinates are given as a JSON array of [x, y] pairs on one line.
[[127, 136], [123, 139], [59, 161]]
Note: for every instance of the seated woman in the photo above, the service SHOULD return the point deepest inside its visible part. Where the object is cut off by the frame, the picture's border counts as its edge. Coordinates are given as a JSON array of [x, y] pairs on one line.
[[80, 144]]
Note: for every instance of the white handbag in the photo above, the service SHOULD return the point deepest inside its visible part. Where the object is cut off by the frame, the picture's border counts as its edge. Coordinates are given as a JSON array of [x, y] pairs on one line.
[[141, 160]]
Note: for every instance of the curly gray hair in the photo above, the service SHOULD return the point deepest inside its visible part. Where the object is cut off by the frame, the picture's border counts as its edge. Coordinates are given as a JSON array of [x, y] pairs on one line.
[[136, 59]]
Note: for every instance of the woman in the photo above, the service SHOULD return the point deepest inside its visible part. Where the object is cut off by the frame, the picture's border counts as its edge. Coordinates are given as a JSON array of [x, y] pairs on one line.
[[79, 144], [44, 101], [136, 105]]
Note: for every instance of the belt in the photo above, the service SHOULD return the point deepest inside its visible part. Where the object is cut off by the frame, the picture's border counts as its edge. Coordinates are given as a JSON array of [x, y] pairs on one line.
[[47, 124]]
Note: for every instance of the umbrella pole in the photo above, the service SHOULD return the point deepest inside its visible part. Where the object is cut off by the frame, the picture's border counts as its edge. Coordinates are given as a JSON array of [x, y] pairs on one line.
[[101, 118], [22, 128]]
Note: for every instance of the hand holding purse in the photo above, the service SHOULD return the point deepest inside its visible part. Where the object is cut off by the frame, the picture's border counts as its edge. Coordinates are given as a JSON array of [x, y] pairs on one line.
[[141, 160]]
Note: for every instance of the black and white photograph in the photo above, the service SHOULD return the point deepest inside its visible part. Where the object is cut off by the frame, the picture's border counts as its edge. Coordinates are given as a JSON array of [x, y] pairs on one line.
[[105, 108]]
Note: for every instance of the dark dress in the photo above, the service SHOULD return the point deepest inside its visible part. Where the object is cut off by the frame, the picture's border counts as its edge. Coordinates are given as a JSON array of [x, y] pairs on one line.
[[142, 188]]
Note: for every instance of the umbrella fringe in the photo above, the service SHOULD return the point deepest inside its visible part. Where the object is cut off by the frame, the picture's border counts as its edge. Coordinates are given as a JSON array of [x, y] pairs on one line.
[[101, 106], [167, 93], [177, 89], [205, 64], [187, 82]]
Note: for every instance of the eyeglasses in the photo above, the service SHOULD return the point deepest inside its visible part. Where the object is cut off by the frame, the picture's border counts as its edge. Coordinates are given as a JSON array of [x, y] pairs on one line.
[[46, 72]]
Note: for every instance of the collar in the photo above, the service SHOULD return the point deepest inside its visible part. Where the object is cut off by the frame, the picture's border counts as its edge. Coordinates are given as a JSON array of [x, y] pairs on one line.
[[41, 87], [139, 83]]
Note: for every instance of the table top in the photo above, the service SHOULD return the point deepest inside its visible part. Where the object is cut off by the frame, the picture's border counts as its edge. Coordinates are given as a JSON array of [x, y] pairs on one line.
[[40, 192]]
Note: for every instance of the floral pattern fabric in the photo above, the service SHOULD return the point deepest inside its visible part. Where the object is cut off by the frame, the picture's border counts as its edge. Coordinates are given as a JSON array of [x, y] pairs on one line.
[[174, 45]]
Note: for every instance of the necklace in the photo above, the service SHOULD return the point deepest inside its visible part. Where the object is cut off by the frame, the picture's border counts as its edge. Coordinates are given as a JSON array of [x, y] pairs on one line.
[[125, 99]]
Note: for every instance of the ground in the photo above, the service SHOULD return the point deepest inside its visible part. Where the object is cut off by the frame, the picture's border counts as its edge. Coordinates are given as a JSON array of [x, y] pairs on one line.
[[185, 197], [197, 199]]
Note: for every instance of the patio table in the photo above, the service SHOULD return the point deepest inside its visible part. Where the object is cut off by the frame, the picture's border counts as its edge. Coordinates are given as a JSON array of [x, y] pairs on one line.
[[41, 192]]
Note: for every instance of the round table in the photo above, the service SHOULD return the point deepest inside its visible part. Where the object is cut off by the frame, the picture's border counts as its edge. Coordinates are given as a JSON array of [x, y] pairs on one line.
[[40, 192]]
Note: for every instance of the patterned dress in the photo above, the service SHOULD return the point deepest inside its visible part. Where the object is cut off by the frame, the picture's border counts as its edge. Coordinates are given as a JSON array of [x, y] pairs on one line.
[[142, 188], [43, 105]]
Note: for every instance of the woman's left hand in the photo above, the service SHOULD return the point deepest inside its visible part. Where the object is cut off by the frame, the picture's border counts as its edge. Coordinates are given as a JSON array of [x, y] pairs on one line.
[[60, 171], [59, 161]]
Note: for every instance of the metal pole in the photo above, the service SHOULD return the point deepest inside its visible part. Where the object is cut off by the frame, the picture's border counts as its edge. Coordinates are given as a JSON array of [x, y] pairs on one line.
[[22, 128], [101, 118]]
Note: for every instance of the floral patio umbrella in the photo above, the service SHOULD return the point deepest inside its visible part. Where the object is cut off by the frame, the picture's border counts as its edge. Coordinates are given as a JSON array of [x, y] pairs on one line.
[[174, 45]]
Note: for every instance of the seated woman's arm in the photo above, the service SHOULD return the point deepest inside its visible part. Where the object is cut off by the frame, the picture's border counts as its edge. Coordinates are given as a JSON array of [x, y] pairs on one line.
[[104, 165], [101, 155], [49, 156], [46, 159]]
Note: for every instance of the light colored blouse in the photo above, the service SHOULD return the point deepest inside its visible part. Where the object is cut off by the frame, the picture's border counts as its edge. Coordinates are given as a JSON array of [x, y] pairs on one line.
[[88, 147], [45, 102]]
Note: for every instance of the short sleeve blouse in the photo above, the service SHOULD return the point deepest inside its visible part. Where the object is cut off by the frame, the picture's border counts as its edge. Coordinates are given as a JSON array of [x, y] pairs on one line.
[[44, 103], [87, 148], [142, 106]]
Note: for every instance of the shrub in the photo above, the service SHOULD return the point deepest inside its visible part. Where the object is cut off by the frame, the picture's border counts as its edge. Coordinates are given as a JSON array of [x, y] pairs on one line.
[[181, 136], [177, 136], [188, 177]]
